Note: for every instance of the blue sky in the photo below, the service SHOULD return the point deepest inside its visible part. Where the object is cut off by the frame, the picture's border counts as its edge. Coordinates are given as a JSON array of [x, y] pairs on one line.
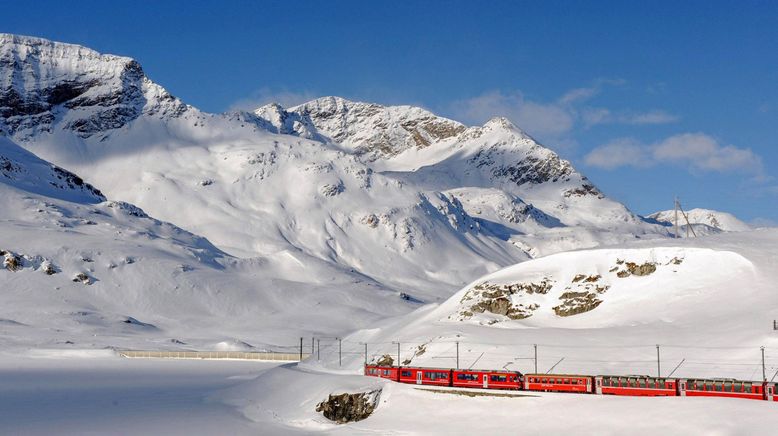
[[649, 99]]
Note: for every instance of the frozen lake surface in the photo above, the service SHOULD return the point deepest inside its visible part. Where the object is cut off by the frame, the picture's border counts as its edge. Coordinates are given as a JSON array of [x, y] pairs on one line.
[[121, 396]]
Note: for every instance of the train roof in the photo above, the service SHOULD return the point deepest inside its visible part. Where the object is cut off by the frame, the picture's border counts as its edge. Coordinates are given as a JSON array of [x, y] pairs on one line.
[[491, 371], [558, 375]]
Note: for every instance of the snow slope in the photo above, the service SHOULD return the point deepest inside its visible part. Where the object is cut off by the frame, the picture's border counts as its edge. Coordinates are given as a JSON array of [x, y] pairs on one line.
[[82, 272]]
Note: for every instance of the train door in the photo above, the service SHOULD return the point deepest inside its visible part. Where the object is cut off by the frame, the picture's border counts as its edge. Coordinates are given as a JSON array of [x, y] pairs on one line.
[[418, 377], [598, 385], [486, 380], [682, 387], [588, 384], [769, 391]]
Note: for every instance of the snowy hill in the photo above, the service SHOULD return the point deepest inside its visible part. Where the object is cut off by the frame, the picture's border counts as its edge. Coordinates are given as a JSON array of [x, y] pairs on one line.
[[710, 301], [25, 171], [419, 203], [714, 220]]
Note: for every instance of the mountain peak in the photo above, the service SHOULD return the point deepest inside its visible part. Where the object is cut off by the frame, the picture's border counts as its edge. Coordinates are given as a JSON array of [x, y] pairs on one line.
[[44, 84], [502, 123], [366, 129]]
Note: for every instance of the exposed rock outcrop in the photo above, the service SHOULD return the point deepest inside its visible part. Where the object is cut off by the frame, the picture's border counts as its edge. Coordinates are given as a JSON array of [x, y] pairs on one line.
[[343, 408]]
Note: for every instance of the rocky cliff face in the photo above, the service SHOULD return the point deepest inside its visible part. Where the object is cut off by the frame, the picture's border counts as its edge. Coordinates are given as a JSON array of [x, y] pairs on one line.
[[367, 129], [43, 84]]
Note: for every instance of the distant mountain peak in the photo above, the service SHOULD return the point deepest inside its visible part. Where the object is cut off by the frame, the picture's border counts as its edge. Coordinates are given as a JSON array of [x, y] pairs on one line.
[[370, 130], [716, 220]]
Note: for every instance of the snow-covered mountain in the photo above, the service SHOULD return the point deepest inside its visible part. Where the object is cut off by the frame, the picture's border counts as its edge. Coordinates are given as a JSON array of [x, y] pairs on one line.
[[417, 202], [703, 221], [80, 271]]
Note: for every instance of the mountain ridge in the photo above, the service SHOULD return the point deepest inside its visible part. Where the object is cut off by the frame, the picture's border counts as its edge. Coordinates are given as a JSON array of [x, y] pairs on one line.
[[359, 185]]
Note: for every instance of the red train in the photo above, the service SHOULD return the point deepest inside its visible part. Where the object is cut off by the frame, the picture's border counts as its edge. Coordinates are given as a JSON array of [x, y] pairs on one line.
[[643, 386]]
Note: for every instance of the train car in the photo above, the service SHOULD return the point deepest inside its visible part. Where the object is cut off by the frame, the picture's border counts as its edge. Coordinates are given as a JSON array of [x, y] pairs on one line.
[[641, 386], [387, 372], [425, 376], [725, 388], [476, 378], [558, 383]]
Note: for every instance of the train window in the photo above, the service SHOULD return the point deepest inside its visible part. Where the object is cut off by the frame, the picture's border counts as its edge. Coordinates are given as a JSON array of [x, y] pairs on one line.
[[559, 381], [747, 387], [642, 383], [651, 384], [406, 374], [498, 378], [386, 372], [717, 386], [544, 380], [469, 377], [709, 386], [728, 386], [737, 387]]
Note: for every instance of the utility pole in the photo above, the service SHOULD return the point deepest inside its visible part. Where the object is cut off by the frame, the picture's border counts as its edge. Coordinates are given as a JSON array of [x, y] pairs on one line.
[[658, 367], [764, 374], [312, 348], [675, 209], [536, 357], [398, 351], [365, 353], [318, 349], [340, 352], [457, 354], [301, 349]]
